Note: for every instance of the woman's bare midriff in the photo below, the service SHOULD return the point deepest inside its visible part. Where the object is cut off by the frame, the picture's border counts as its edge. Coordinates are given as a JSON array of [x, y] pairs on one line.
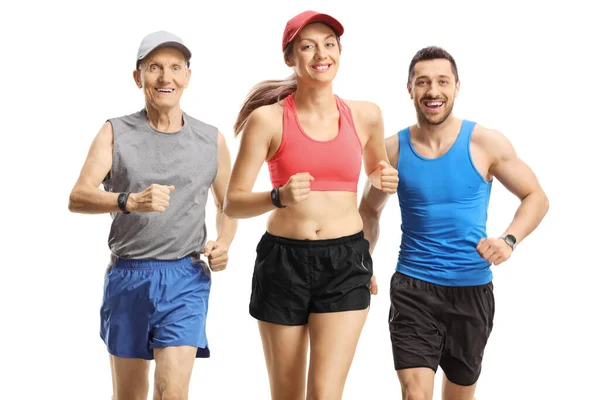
[[324, 215]]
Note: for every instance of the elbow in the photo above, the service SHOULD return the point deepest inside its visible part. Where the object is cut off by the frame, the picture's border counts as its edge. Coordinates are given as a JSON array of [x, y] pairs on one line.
[[74, 203], [368, 213], [545, 203], [230, 209]]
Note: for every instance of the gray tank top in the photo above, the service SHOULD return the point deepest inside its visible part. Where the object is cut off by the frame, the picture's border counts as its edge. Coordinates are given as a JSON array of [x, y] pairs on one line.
[[187, 159]]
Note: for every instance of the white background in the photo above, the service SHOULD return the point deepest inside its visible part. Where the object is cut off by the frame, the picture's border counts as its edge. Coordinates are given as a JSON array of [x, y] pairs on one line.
[[528, 70]]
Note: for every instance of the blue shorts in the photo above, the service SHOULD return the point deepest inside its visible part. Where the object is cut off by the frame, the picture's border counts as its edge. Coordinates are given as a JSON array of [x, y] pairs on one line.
[[152, 304]]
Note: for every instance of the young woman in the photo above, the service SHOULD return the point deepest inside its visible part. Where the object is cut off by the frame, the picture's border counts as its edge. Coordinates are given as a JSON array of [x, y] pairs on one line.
[[313, 273]]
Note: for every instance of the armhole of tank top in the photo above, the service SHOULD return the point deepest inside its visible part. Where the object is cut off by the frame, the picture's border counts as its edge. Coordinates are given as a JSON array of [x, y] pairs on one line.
[[109, 176], [400, 134], [347, 108], [469, 137], [284, 122]]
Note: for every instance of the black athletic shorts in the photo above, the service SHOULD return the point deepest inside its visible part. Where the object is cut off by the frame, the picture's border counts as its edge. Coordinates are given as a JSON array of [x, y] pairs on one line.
[[293, 278], [433, 325]]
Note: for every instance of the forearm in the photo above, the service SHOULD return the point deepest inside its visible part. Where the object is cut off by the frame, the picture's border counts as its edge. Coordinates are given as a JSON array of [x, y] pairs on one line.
[[247, 205], [90, 200], [226, 228], [370, 226], [529, 215]]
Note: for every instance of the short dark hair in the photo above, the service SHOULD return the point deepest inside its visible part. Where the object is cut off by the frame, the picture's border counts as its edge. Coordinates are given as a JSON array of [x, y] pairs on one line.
[[431, 53]]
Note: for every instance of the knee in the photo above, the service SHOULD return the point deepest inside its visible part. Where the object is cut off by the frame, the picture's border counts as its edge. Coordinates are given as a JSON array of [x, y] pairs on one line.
[[414, 393], [173, 395], [323, 391], [166, 391]]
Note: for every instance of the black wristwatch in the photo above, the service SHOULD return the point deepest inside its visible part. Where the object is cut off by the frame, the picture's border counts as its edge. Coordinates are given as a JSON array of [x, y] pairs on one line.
[[122, 202], [275, 198], [510, 240]]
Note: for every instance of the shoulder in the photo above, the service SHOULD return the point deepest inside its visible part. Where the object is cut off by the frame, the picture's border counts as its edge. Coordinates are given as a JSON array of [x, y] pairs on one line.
[[266, 119], [491, 141], [202, 128], [367, 112]]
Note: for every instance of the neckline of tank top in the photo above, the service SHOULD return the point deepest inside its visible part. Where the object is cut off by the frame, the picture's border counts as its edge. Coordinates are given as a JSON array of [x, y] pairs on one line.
[[166, 134], [306, 135], [450, 149]]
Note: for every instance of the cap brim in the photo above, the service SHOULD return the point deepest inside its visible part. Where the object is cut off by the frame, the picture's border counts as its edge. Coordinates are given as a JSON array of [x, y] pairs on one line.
[[175, 45], [328, 20]]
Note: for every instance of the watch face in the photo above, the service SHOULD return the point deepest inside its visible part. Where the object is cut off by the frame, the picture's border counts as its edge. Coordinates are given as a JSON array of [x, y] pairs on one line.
[[511, 239]]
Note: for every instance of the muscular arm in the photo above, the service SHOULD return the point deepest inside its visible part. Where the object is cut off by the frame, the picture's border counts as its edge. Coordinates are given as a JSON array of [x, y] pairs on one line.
[[373, 200], [240, 201], [519, 179], [86, 196], [226, 226]]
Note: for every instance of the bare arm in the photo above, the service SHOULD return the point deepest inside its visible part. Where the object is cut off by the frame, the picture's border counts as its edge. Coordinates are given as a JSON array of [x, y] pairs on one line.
[[373, 200], [86, 196], [520, 180], [226, 226], [374, 151], [240, 201]]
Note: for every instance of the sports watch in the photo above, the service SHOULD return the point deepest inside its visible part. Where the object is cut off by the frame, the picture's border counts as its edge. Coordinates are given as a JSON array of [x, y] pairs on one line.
[[122, 202], [510, 240], [275, 198]]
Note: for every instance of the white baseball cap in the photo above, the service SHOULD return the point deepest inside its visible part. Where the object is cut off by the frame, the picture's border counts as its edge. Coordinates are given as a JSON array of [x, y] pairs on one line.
[[160, 39]]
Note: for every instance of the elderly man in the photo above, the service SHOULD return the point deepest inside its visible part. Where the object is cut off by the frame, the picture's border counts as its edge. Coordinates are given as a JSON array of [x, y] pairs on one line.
[[156, 166]]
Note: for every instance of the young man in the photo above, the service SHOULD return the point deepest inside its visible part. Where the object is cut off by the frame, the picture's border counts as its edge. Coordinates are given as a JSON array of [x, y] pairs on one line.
[[157, 166], [442, 303]]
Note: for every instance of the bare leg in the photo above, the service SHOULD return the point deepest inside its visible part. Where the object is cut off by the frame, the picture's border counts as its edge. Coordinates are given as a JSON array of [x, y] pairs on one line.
[[416, 383], [285, 349], [130, 378], [173, 372], [333, 341]]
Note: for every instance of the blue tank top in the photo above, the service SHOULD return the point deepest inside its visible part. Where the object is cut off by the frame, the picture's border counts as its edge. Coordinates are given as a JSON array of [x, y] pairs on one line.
[[443, 204]]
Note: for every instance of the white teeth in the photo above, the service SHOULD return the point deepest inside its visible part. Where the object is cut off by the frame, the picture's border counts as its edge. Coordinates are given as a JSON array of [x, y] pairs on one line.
[[321, 67], [433, 103], [165, 90]]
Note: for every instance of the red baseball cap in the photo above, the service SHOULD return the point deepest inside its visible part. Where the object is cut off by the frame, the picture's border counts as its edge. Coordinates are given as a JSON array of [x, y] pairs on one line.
[[295, 25]]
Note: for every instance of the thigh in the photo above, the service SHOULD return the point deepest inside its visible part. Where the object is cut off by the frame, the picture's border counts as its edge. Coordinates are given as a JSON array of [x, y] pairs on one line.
[[469, 320], [285, 349], [173, 371], [332, 352], [416, 383], [415, 332], [281, 282], [130, 378]]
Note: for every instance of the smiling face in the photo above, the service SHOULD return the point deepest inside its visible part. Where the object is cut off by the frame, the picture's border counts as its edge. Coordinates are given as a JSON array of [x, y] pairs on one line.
[[433, 89], [163, 75], [315, 54]]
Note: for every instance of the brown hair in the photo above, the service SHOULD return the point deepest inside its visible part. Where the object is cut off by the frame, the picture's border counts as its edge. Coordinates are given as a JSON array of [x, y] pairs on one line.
[[431, 53], [268, 92]]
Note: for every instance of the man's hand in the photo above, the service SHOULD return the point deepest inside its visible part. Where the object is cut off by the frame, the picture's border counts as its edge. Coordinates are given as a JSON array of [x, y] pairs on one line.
[[217, 254]]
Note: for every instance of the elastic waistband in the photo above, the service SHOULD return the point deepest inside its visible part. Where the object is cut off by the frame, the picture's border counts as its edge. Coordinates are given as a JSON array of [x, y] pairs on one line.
[[313, 243], [128, 263]]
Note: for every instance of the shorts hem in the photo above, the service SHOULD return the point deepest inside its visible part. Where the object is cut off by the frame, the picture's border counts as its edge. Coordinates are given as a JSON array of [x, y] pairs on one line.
[[400, 368], [461, 383], [201, 352], [275, 321], [356, 308]]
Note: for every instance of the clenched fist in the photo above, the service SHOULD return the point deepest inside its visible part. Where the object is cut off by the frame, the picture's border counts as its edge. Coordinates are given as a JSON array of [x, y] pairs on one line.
[[155, 198], [217, 254], [494, 250], [389, 178], [296, 189]]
